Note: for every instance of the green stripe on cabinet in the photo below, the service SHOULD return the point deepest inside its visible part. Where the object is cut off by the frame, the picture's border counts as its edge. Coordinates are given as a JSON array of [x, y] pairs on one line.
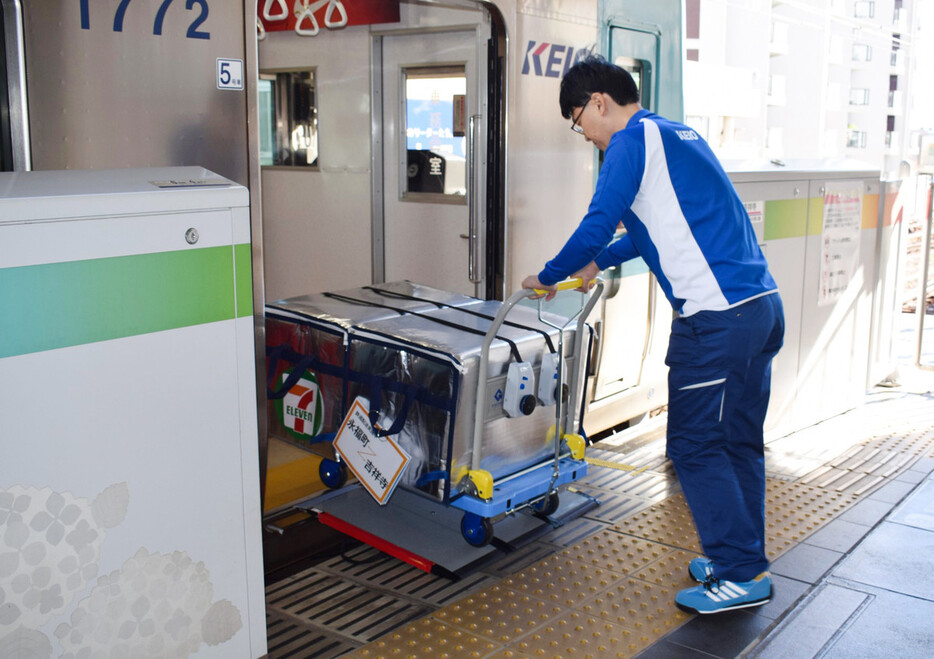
[[57, 305], [786, 218], [243, 272]]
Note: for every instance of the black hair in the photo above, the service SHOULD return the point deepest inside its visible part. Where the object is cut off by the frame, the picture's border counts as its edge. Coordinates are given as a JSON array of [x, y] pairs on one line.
[[595, 74]]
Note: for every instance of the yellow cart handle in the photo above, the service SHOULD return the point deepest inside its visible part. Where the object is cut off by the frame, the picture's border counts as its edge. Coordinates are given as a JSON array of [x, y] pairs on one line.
[[566, 285]]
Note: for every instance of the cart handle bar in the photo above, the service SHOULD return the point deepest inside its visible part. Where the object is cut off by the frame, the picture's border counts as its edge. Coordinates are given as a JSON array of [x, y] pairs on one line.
[[567, 284], [480, 406]]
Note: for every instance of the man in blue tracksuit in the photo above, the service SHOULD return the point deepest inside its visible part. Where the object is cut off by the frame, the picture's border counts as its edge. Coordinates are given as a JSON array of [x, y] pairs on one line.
[[684, 218]]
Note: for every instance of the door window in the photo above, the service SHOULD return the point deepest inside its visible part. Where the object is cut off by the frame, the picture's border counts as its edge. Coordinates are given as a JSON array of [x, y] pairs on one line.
[[288, 119], [435, 133]]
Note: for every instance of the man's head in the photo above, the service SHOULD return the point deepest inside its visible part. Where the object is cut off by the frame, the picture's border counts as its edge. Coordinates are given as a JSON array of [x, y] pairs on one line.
[[600, 99], [595, 74]]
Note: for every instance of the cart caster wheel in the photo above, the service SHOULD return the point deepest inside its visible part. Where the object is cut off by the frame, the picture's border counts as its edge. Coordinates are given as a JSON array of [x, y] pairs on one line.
[[333, 474], [476, 530], [547, 506]]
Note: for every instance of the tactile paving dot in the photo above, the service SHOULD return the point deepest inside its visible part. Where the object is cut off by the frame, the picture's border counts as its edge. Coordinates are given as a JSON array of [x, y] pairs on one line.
[[427, 637], [581, 635], [640, 606], [562, 580], [670, 570], [668, 522], [499, 613], [615, 551], [776, 545]]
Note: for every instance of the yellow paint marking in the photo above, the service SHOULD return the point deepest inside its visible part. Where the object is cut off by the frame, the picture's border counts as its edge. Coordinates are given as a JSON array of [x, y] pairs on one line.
[[616, 465]]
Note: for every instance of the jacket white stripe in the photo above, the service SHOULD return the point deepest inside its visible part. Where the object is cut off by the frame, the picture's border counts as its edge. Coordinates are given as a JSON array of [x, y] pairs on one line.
[[679, 255]]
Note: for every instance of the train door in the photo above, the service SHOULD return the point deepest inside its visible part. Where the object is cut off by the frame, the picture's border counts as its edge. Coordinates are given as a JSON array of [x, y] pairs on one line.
[[629, 307], [433, 172], [635, 317]]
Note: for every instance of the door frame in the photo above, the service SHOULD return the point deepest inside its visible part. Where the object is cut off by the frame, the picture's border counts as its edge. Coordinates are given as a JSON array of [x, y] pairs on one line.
[[491, 72]]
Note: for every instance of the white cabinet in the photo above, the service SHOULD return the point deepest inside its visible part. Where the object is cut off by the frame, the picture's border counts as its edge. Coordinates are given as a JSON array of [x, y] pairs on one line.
[[129, 478]]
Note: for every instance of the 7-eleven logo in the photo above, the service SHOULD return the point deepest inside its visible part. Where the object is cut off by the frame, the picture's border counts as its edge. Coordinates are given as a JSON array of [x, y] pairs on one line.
[[302, 407]]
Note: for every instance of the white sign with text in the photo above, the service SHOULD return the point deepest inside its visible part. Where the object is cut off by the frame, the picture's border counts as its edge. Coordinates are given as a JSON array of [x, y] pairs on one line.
[[377, 462]]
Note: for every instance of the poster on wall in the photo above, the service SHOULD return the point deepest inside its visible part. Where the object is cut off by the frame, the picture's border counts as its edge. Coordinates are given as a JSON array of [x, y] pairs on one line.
[[843, 216]]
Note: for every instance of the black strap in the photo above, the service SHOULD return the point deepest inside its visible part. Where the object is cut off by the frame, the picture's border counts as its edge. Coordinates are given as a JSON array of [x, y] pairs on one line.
[[445, 305], [343, 298]]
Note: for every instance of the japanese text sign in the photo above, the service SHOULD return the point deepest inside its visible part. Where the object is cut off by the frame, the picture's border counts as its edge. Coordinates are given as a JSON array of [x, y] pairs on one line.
[[377, 462]]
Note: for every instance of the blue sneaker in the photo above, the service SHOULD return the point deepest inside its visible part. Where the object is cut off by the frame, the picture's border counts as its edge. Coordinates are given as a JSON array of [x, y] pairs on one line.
[[700, 569], [716, 595]]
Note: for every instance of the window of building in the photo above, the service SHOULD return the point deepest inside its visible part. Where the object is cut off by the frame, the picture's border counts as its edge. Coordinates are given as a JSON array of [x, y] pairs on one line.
[[864, 9], [692, 19], [862, 52], [855, 139], [700, 124], [288, 119], [859, 96]]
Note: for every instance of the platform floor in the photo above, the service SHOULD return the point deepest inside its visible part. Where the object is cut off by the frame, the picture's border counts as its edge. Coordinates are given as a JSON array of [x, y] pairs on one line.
[[850, 531]]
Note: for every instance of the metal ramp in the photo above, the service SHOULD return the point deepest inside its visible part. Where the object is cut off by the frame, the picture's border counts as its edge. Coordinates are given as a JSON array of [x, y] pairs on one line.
[[427, 534]]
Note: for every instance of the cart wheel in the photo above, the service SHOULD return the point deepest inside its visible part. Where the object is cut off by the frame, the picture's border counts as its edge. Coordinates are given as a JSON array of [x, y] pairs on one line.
[[546, 506], [476, 530], [333, 474]]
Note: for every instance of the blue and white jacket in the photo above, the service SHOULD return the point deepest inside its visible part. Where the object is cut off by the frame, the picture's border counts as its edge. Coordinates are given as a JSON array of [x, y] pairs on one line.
[[682, 216]]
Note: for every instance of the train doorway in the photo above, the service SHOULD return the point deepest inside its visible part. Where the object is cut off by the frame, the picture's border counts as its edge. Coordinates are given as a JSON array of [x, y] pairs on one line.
[[428, 199]]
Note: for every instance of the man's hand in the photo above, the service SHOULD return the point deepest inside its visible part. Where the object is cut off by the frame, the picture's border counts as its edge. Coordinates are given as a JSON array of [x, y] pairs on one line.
[[587, 274], [532, 282]]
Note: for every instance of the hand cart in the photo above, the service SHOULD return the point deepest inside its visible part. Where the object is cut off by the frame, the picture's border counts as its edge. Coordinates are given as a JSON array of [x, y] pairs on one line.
[[536, 486], [468, 414]]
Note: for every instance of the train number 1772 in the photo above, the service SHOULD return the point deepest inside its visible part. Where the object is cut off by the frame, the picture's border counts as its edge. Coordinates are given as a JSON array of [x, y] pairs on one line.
[[193, 29]]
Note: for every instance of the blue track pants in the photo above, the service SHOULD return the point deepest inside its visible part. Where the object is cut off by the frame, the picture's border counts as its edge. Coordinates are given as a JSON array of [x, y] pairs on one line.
[[718, 392]]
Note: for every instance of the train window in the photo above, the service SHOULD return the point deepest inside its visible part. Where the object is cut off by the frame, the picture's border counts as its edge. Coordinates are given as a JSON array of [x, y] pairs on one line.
[[641, 72], [288, 119], [436, 143]]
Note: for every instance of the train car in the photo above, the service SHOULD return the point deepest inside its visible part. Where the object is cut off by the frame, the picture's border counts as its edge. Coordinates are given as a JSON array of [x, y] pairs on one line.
[[471, 87]]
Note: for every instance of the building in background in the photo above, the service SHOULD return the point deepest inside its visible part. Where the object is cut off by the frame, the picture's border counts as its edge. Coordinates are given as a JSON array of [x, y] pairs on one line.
[[802, 79]]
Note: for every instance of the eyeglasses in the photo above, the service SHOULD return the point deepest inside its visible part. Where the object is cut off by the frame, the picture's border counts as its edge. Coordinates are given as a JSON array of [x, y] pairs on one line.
[[574, 126]]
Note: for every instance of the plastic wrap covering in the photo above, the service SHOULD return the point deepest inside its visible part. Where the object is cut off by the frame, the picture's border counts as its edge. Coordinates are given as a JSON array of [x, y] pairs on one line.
[[427, 428], [413, 352]]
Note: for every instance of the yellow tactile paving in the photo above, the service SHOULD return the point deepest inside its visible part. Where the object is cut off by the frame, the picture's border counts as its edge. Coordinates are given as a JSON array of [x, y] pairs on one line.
[[580, 635], [616, 551], [797, 510], [499, 613], [640, 606], [668, 522], [669, 570], [562, 580], [427, 638], [776, 545]]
